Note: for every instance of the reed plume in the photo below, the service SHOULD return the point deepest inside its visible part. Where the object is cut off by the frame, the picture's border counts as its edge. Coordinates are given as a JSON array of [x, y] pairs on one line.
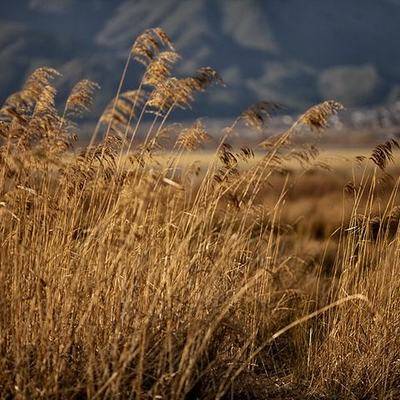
[[119, 112], [317, 117], [174, 92], [148, 45], [258, 114], [192, 138], [81, 97], [160, 68], [382, 154]]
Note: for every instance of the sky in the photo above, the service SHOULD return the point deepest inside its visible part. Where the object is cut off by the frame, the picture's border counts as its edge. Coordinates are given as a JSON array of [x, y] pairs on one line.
[[296, 52]]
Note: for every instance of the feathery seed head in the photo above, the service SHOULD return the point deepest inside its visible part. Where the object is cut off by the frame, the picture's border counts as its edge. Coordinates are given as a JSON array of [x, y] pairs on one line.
[[81, 97], [191, 138]]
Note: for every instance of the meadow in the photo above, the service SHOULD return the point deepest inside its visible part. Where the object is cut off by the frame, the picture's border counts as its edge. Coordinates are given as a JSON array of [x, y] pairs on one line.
[[151, 269]]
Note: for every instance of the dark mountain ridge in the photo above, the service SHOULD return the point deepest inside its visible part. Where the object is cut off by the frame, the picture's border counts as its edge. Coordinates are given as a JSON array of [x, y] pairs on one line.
[[297, 52]]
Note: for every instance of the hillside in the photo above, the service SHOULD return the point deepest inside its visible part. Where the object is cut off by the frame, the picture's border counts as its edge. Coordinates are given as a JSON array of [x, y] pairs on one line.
[[297, 52]]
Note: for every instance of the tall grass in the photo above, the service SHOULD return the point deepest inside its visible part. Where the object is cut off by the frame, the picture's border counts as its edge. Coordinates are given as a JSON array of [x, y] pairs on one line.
[[124, 277]]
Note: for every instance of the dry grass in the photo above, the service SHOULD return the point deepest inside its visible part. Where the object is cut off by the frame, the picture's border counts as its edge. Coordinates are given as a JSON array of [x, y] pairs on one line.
[[128, 272]]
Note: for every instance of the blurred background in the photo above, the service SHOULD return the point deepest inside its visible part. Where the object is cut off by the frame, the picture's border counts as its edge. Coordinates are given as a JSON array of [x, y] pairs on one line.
[[296, 52]]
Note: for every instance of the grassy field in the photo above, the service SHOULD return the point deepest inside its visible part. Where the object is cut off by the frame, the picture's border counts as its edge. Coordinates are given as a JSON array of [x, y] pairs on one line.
[[338, 158], [164, 272]]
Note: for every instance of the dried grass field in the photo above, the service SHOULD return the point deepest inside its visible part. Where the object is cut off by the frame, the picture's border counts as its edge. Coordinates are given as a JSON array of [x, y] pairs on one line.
[[152, 270]]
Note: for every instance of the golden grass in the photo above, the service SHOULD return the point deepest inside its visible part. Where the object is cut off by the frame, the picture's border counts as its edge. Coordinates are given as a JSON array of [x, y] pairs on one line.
[[135, 272]]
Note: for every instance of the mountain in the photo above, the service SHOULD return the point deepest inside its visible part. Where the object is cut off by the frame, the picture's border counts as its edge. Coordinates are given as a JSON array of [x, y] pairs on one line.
[[297, 52]]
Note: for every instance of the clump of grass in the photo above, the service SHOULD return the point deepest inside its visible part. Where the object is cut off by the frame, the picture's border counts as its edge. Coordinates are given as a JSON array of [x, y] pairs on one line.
[[122, 278]]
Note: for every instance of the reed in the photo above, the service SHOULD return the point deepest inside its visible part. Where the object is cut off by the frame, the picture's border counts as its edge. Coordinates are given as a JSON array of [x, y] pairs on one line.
[[123, 276]]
